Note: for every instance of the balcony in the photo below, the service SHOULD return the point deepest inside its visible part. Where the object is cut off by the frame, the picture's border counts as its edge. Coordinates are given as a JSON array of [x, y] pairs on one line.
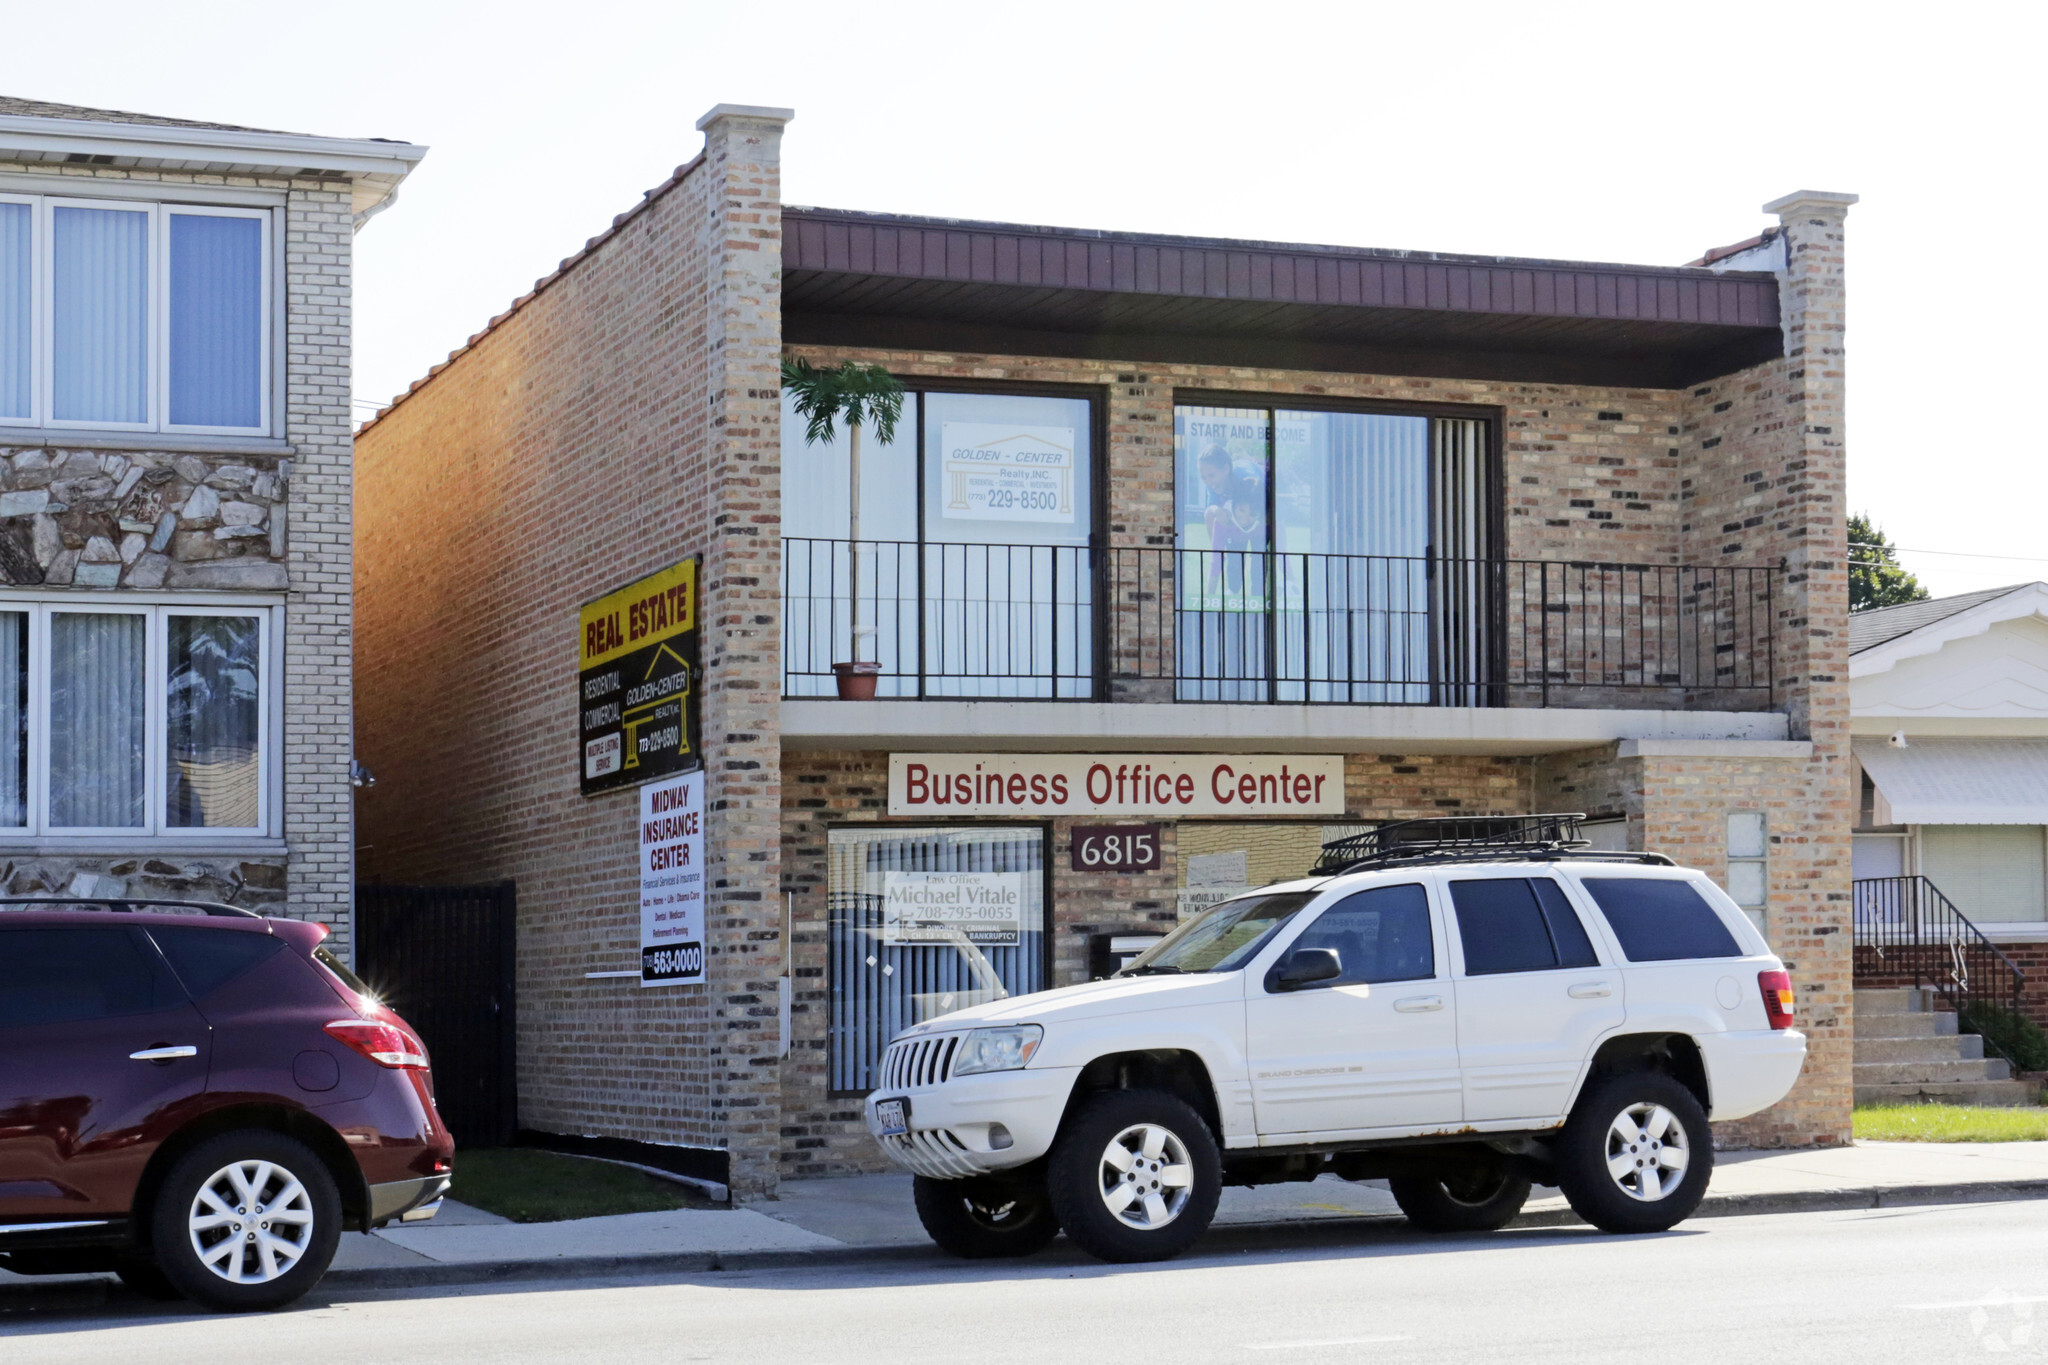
[[1144, 624]]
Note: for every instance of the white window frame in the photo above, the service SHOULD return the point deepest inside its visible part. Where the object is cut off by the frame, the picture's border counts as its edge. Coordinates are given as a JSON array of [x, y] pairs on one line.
[[42, 239], [166, 212], [157, 611]]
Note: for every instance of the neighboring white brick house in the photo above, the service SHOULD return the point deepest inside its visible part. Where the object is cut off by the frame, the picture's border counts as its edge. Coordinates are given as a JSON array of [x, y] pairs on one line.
[[175, 506]]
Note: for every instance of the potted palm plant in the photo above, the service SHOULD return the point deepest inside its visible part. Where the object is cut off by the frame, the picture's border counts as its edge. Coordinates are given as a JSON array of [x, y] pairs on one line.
[[862, 396]]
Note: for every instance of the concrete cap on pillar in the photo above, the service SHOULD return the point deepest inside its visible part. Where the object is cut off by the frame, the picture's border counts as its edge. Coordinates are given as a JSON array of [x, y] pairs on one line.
[[765, 112], [1808, 201]]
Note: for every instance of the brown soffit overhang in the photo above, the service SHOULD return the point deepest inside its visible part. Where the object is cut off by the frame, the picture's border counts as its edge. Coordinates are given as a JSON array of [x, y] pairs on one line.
[[867, 279]]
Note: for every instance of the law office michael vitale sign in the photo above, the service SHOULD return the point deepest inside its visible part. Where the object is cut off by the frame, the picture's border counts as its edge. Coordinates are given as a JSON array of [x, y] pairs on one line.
[[1116, 784]]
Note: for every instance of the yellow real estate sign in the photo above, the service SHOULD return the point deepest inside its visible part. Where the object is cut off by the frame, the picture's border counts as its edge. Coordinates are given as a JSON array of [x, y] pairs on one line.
[[637, 681]]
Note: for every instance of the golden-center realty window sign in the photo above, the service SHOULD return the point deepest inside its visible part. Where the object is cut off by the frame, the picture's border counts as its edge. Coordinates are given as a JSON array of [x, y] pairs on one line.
[[638, 681]]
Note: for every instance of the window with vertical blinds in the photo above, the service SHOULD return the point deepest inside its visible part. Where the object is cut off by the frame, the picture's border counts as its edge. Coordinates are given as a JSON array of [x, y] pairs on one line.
[[17, 310], [146, 719], [134, 316], [1335, 556], [906, 945]]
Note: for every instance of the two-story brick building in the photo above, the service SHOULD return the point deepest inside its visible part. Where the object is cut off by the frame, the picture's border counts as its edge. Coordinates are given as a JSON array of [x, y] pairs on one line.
[[175, 506], [1228, 545]]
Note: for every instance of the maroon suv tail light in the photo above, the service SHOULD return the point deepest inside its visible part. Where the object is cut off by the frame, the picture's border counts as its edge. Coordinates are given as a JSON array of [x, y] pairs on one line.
[[384, 1044]]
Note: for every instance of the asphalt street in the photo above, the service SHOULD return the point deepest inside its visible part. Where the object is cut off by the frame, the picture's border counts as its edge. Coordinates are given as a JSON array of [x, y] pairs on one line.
[[1945, 1283]]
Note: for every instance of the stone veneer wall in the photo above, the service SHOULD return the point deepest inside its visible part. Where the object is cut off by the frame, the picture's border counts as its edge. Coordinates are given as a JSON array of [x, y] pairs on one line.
[[91, 514], [825, 1135], [621, 418]]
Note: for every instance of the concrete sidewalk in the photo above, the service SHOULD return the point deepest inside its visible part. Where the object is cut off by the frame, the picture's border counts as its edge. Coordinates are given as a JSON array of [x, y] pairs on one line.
[[870, 1218], [862, 1216]]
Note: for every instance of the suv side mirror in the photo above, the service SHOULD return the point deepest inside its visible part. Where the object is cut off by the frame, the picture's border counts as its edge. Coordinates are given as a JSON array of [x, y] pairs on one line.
[[1304, 967]]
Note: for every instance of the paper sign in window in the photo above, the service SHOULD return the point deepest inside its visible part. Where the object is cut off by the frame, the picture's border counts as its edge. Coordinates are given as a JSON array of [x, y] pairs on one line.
[[1005, 472]]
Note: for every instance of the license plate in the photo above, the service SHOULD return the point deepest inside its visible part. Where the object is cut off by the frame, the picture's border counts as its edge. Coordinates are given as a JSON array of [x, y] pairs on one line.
[[891, 1117]]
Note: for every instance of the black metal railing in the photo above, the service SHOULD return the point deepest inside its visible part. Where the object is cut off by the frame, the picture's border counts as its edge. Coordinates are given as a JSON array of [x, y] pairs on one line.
[[1905, 927], [1142, 623]]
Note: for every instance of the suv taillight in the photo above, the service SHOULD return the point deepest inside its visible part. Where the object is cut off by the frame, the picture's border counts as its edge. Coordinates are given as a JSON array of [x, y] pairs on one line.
[[384, 1044], [1777, 989]]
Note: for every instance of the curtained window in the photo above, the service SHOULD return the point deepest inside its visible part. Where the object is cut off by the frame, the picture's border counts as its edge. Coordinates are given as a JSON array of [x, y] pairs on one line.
[[151, 719]]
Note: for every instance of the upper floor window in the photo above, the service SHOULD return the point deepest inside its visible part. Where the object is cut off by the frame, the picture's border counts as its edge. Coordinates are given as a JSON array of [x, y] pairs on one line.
[[134, 316]]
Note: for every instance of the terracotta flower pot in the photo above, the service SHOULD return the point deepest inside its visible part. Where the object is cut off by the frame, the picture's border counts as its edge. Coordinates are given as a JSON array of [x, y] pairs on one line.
[[856, 680]]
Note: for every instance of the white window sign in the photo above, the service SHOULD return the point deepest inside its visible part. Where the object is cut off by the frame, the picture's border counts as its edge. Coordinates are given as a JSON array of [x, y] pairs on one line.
[[1003, 472], [672, 881], [984, 908]]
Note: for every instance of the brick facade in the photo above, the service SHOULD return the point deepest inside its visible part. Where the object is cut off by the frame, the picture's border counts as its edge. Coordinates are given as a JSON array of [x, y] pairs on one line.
[[635, 456], [104, 512], [626, 414]]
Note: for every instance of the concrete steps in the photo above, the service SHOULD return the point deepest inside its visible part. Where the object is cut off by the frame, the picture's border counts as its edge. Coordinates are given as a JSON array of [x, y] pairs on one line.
[[1908, 1052]]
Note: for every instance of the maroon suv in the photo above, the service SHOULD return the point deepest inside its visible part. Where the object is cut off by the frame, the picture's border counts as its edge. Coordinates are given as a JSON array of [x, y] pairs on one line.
[[200, 1100]]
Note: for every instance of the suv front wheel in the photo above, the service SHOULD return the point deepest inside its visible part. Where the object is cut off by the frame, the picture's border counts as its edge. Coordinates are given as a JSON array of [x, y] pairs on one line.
[[1134, 1176], [1636, 1154], [246, 1220]]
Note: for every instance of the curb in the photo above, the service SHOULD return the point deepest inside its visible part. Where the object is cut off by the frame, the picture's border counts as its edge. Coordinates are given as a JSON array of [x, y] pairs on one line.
[[1267, 1233], [1301, 1233]]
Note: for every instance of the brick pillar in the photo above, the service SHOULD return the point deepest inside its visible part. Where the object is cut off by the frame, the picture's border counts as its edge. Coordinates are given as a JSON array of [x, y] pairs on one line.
[[319, 728], [1810, 917], [742, 586]]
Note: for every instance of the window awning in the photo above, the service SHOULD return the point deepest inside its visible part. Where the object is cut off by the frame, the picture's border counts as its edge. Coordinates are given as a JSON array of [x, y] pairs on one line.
[[1961, 781]]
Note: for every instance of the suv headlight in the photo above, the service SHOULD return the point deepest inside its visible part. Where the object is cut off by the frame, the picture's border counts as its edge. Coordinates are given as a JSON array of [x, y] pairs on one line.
[[997, 1049]]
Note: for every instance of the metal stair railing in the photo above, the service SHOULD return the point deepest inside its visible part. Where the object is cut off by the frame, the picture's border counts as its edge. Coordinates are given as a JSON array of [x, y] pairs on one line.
[[1905, 926]]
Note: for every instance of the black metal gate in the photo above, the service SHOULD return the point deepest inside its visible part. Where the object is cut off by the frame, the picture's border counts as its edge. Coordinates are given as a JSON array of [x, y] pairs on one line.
[[444, 957]]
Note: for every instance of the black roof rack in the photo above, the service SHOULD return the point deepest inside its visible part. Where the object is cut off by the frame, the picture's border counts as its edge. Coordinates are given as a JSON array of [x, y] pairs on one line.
[[1469, 839], [128, 905]]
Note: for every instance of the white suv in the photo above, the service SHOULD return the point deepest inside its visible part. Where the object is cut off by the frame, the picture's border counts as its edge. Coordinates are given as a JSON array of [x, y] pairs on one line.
[[1461, 1018]]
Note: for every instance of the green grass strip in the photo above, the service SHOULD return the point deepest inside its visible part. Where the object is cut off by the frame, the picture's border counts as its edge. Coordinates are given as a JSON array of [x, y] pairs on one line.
[[529, 1186], [1950, 1123]]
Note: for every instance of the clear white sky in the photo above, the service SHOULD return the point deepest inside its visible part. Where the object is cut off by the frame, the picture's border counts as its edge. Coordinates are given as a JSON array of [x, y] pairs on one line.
[[1623, 132]]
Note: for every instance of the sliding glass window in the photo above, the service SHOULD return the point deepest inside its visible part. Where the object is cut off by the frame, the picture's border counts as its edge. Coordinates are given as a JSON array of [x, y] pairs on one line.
[[1332, 556], [969, 573]]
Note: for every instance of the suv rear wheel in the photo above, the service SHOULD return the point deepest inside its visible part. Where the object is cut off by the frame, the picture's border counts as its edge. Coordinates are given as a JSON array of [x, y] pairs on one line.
[[1477, 1199], [1636, 1154], [1134, 1176], [983, 1219], [246, 1220]]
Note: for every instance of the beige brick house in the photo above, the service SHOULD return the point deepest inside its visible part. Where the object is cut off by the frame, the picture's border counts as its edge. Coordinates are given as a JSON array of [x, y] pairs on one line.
[[175, 574], [1234, 545]]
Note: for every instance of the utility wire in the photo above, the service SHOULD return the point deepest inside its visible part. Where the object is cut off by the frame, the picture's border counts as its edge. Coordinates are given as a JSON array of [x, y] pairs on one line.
[[1956, 554]]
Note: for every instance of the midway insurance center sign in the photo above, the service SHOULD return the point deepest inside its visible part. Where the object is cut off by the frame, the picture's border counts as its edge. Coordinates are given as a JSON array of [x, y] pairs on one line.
[[1116, 784], [637, 681]]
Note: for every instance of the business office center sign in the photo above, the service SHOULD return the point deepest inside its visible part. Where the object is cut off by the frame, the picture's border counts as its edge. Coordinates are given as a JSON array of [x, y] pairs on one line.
[[637, 682], [1116, 784]]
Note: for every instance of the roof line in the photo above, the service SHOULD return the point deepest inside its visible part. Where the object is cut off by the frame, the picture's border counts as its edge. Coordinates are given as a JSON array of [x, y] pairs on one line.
[[814, 212], [178, 142], [541, 286]]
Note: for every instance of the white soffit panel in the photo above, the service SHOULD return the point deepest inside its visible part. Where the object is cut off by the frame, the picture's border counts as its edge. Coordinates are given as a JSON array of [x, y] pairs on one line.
[[1960, 781]]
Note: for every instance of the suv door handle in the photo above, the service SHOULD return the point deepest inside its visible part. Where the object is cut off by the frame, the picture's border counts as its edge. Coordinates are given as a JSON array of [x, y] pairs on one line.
[[1590, 990], [160, 1055], [1419, 1004]]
